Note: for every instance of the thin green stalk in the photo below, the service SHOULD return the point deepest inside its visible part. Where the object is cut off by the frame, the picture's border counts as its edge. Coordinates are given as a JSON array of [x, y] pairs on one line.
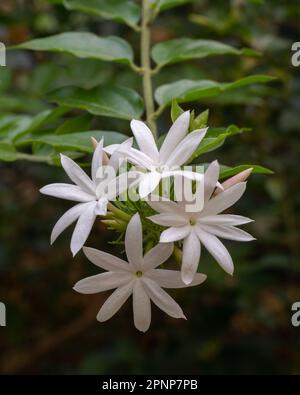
[[146, 65]]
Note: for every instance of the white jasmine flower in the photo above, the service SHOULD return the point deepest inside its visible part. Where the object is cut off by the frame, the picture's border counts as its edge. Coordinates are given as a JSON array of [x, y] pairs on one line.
[[91, 193], [177, 149], [203, 227], [140, 277]]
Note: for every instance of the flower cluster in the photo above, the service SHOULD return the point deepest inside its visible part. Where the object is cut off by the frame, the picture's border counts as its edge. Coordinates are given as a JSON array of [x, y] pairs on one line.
[[187, 218]]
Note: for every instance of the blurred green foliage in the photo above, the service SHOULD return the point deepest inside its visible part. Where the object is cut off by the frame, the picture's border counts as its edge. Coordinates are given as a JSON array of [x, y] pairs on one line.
[[235, 325]]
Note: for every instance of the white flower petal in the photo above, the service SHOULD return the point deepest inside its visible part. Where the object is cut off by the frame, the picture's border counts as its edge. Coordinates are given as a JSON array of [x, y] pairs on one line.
[[117, 158], [97, 160], [121, 184], [102, 282], [162, 299], [228, 232], [115, 302], [177, 132], [174, 234], [225, 219], [145, 139], [190, 257], [77, 175], [106, 261], [186, 148], [138, 158], [172, 278], [141, 307], [149, 183], [217, 249], [67, 219], [67, 192], [163, 205], [101, 206], [224, 200], [134, 242], [157, 255], [169, 219], [211, 179], [83, 228]]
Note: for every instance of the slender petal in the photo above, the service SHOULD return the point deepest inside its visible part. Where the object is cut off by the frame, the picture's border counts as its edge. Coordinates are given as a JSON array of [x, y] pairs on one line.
[[67, 192], [162, 205], [177, 132], [77, 175], [224, 200], [106, 261], [145, 139], [225, 219], [172, 278], [228, 232], [186, 148], [162, 299], [115, 302], [217, 249], [190, 257], [67, 219], [138, 158], [97, 160], [174, 234], [141, 307], [134, 242], [149, 183], [210, 179], [102, 282], [157, 255], [169, 219], [83, 228], [101, 206], [117, 157], [191, 175]]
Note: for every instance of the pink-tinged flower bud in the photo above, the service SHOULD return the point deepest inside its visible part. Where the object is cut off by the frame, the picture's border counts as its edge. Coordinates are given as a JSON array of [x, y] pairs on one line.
[[240, 177]]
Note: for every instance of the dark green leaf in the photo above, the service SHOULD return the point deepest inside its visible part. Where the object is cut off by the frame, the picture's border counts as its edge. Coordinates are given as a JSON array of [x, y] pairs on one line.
[[124, 11], [84, 45], [80, 141], [106, 100], [189, 90], [182, 49], [231, 171], [161, 5]]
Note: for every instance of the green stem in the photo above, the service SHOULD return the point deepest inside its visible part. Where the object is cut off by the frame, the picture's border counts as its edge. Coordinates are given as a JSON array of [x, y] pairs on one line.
[[146, 65]]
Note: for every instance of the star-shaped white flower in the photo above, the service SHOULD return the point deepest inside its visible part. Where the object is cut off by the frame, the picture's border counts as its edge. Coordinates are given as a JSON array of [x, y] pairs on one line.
[[140, 277], [177, 149], [203, 227], [89, 192]]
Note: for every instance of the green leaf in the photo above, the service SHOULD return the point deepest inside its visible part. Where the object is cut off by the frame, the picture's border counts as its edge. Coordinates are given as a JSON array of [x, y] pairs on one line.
[[215, 138], [201, 120], [84, 45], [182, 49], [190, 90], [227, 171], [7, 152], [124, 11], [80, 141], [176, 110], [72, 125], [106, 100], [161, 5]]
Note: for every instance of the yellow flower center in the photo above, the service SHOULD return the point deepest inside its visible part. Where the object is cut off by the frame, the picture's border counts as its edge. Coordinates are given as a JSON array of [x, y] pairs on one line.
[[139, 274]]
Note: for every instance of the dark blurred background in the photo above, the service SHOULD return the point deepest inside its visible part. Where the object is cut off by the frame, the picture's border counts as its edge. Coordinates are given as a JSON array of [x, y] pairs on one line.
[[235, 325]]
